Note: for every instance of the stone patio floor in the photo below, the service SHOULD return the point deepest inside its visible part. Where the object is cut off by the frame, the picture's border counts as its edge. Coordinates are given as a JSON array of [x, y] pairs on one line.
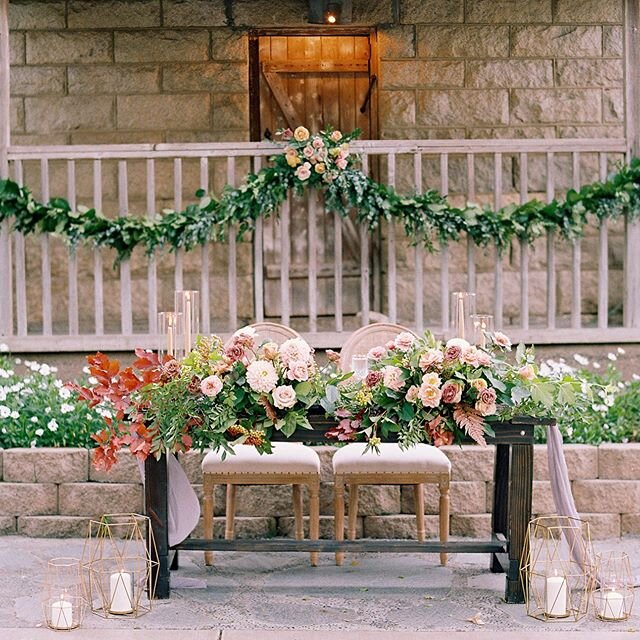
[[272, 596]]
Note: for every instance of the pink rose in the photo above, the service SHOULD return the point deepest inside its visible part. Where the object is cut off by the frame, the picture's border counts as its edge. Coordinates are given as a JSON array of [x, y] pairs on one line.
[[429, 395], [341, 163], [431, 359], [287, 134], [484, 359], [284, 396], [303, 171], [308, 151], [317, 142], [502, 340], [376, 353], [234, 352], [412, 394], [469, 356], [392, 377], [298, 370], [527, 372], [487, 395], [486, 409], [211, 386], [390, 346], [404, 341], [486, 403], [451, 392], [373, 378], [452, 353], [246, 336]]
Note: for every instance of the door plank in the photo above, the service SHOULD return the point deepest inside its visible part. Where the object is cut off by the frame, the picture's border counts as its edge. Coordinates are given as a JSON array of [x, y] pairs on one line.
[[279, 92]]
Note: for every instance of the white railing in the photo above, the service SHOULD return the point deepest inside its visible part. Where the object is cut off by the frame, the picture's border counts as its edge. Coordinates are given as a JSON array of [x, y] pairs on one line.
[[312, 269]]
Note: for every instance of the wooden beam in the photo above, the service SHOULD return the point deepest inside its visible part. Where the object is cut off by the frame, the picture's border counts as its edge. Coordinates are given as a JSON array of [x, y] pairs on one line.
[[282, 98], [316, 66]]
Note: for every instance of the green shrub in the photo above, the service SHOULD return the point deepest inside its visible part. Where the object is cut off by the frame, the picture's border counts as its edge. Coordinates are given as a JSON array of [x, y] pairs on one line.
[[36, 410]]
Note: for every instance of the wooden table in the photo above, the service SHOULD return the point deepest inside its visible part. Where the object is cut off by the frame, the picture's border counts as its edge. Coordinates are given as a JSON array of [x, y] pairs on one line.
[[513, 482]]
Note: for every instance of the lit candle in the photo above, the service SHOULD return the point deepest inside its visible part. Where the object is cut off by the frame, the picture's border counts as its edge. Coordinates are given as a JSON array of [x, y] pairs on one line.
[[171, 335], [612, 605], [556, 596], [460, 309], [62, 613], [121, 590], [187, 322]]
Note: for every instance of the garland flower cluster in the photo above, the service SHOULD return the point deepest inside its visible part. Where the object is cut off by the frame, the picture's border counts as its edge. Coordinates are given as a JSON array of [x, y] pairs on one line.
[[324, 161]]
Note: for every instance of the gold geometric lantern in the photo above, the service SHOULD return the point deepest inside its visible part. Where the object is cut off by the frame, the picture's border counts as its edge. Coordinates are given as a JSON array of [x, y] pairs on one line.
[[557, 571], [613, 599], [119, 565], [63, 603]]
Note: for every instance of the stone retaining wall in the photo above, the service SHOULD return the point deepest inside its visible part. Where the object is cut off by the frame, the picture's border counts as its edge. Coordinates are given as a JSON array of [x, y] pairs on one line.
[[53, 492]]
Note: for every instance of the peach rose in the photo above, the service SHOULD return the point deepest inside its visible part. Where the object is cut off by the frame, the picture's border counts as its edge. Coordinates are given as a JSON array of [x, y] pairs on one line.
[[404, 341], [320, 167], [502, 340], [429, 395], [432, 379], [486, 403], [376, 353], [451, 392], [301, 134], [478, 384], [412, 394], [336, 135], [527, 372], [431, 359], [392, 377], [270, 350], [469, 356]]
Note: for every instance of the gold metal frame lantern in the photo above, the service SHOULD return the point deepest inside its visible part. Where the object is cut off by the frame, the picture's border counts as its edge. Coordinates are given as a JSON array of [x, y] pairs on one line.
[[613, 599], [557, 570], [121, 571], [64, 602]]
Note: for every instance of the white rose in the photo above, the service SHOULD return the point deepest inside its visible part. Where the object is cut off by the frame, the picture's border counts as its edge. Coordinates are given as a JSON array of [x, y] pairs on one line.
[[284, 396]]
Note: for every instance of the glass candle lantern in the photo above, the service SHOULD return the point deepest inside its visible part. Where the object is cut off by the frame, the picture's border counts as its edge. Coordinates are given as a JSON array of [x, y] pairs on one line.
[[481, 325], [360, 366], [613, 599], [463, 306], [64, 602], [187, 303], [558, 568], [171, 334]]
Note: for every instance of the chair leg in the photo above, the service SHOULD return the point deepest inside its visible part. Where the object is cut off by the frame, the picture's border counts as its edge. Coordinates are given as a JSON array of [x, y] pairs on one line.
[[418, 499], [230, 524], [338, 516], [314, 516], [207, 503], [297, 511], [444, 516], [353, 511]]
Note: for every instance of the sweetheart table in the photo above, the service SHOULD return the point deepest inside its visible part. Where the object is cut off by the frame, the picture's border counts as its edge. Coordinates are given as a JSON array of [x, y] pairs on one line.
[[511, 512]]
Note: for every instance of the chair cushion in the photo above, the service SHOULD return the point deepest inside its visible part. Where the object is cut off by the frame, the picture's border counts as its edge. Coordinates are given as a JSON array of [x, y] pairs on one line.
[[287, 457], [423, 458]]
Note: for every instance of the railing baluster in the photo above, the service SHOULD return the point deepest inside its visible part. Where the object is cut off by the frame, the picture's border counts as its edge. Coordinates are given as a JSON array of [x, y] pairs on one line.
[[524, 284], [312, 242], [258, 259], [498, 300], [576, 256], [551, 250], [337, 269], [204, 258], [233, 255], [125, 265], [364, 274], [603, 275], [177, 205], [419, 252], [98, 288], [72, 265], [391, 250], [20, 268], [45, 256], [524, 177], [285, 255], [471, 247], [444, 288], [152, 268]]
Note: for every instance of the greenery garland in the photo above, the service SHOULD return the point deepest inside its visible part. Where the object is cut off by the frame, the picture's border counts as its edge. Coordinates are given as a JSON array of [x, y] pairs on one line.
[[330, 167]]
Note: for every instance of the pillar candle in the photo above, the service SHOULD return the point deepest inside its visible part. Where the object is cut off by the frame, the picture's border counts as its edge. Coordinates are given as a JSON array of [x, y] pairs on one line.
[[612, 605], [556, 596], [121, 590], [61, 614]]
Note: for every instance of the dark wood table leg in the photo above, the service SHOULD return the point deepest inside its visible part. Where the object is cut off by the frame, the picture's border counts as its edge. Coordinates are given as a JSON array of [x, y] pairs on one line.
[[500, 513], [156, 503], [520, 495]]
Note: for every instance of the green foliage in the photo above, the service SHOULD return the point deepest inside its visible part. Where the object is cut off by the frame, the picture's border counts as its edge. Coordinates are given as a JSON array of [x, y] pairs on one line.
[[36, 410], [426, 217]]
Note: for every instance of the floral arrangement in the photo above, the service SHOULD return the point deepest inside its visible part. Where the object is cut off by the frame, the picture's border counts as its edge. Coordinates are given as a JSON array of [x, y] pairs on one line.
[[217, 396], [423, 390], [426, 217]]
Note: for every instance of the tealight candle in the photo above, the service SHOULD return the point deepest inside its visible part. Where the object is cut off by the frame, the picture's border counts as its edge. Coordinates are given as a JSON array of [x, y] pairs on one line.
[[612, 605], [121, 591], [61, 613], [556, 596]]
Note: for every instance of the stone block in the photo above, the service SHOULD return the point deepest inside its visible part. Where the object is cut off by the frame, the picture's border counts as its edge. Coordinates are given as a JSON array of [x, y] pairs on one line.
[[556, 41], [46, 465], [464, 497], [265, 13], [16, 114], [109, 14], [53, 526], [67, 113], [189, 111], [219, 498], [421, 11], [619, 461], [22, 499], [244, 528], [470, 462], [16, 48], [398, 41], [192, 464], [471, 526], [125, 471], [463, 42], [36, 15], [603, 526], [1, 464], [220, 77], [630, 524], [60, 47], [166, 45], [378, 500], [230, 111], [576, 11], [262, 500], [372, 13], [606, 496], [398, 527], [462, 107], [95, 499], [542, 502], [507, 11], [110, 79], [409, 74], [327, 527], [488, 74], [612, 41], [397, 107], [193, 13], [613, 105], [7, 525], [540, 462], [589, 73], [582, 461], [228, 45], [591, 131], [32, 81], [562, 106]]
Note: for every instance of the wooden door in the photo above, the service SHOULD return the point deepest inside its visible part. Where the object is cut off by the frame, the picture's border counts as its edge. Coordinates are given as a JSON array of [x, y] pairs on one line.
[[314, 81]]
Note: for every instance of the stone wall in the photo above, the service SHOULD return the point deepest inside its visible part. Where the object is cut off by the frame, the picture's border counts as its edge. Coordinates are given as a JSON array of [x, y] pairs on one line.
[[53, 493]]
